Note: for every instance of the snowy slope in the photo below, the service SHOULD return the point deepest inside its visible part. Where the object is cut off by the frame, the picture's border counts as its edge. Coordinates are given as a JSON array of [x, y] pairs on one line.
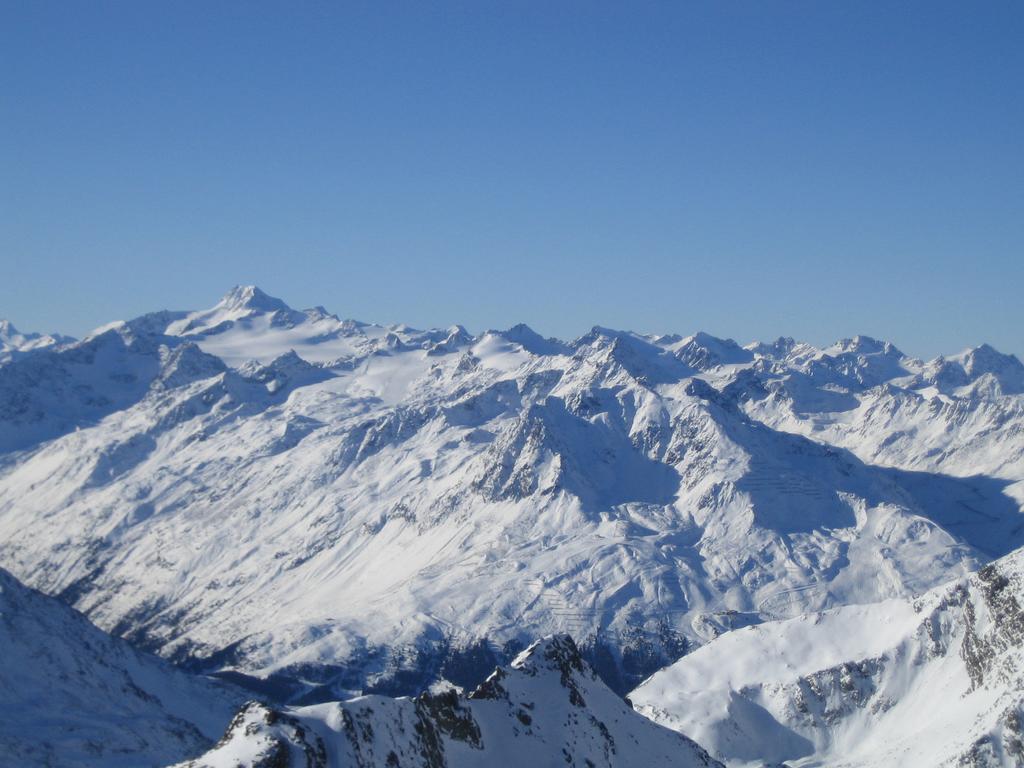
[[547, 709], [70, 695], [273, 491], [930, 682]]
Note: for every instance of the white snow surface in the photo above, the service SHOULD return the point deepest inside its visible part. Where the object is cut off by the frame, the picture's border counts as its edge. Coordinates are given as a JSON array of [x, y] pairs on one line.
[[14, 343], [546, 709], [281, 487], [70, 695], [936, 681]]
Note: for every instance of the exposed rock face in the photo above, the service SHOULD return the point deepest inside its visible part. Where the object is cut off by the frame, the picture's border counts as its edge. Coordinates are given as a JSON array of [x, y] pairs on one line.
[[548, 708], [995, 626]]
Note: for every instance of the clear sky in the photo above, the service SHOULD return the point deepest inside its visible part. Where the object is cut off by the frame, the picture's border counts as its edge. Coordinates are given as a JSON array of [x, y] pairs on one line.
[[814, 169]]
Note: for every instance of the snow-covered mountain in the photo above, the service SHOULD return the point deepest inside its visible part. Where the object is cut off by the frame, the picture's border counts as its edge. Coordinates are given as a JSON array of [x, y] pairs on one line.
[[343, 506], [958, 415], [71, 695], [14, 342], [548, 708], [936, 681]]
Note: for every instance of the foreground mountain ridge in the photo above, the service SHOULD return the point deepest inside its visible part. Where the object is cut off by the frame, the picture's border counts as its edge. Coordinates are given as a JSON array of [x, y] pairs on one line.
[[262, 490], [936, 681], [546, 708]]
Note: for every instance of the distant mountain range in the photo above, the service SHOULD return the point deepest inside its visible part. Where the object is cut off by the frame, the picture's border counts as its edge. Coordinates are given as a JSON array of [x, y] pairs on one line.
[[316, 508], [13, 342]]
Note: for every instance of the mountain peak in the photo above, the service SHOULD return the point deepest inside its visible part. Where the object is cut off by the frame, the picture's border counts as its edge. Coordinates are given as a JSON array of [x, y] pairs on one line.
[[867, 345], [703, 337], [13, 340], [531, 341], [988, 359], [252, 298], [704, 351], [523, 706], [557, 651], [240, 303], [778, 349]]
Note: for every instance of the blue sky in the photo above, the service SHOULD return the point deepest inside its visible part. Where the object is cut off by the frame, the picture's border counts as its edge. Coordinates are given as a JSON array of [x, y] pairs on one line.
[[814, 169]]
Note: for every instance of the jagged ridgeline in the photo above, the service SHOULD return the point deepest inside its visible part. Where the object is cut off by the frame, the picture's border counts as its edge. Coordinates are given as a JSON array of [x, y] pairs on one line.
[[318, 507], [546, 708]]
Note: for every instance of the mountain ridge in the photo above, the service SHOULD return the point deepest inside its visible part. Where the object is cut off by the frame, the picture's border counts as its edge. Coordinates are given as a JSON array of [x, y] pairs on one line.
[[247, 300], [608, 486], [546, 706]]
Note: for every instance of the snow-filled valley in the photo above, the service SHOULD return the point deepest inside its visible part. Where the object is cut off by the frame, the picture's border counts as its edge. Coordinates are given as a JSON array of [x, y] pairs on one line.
[[316, 509]]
